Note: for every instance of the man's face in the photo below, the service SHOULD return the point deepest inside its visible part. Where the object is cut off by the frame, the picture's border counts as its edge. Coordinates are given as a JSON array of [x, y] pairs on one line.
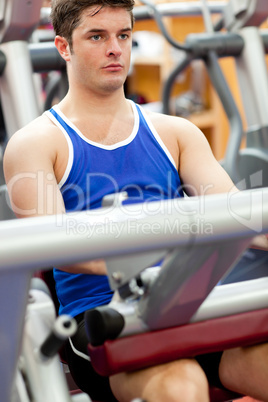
[[101, 49]]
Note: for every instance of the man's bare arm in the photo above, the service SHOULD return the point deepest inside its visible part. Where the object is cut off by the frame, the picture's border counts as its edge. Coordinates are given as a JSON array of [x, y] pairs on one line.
[[32, 186], [202, 172]]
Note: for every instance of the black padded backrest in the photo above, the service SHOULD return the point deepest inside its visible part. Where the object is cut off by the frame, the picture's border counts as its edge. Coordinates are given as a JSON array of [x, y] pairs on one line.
[[48, 278]]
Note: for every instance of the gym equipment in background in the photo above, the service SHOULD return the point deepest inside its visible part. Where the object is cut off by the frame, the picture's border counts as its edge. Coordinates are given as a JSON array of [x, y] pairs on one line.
[[247, 44]]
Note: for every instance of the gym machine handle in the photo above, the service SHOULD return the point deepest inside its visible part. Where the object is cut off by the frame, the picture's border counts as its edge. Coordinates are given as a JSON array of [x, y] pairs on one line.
[[64, 327], [103, 323]]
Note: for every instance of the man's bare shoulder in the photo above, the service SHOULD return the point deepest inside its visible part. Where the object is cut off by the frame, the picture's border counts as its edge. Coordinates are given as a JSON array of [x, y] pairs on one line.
[[161, 120], [38, 129], [36, 144], [40, 133], [180, 129]]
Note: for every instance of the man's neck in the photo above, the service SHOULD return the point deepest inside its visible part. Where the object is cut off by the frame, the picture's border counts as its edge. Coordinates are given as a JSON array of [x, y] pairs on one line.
[[75, 105]]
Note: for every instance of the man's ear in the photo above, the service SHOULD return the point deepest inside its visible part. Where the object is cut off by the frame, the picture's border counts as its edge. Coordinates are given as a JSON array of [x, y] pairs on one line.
[[63, 47]]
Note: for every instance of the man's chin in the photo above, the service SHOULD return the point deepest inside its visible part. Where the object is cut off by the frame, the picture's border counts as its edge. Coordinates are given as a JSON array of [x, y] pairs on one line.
[[112, 86]]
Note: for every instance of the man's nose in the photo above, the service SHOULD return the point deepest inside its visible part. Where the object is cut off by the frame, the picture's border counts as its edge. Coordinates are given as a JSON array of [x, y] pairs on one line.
[[113, 47]]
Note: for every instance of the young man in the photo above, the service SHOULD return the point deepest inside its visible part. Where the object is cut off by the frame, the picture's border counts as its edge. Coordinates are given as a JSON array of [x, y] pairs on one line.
[[96, 142]]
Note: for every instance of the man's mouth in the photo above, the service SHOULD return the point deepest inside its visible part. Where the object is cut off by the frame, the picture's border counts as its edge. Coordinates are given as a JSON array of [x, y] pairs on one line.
[[113, 67]]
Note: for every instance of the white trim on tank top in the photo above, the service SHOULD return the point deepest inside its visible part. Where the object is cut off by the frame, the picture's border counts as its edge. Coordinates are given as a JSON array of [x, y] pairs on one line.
[[108, 147], [157, 136], [97, 144], [70, 148]]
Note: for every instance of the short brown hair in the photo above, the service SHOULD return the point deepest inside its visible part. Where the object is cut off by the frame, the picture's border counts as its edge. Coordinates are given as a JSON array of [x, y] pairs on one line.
[[65, 14]]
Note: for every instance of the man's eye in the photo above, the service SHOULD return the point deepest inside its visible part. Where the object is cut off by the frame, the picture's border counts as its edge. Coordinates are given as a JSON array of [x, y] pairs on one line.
[[95, 37], [123, 36]]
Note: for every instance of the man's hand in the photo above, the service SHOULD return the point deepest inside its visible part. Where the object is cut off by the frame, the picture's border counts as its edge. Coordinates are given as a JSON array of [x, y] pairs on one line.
[[260, 242]]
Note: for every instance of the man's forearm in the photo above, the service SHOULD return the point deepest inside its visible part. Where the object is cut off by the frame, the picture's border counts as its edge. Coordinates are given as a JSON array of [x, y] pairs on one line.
[[93, 267]]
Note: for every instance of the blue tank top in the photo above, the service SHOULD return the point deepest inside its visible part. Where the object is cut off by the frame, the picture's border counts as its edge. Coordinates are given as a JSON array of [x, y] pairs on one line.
[[141, 165]]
